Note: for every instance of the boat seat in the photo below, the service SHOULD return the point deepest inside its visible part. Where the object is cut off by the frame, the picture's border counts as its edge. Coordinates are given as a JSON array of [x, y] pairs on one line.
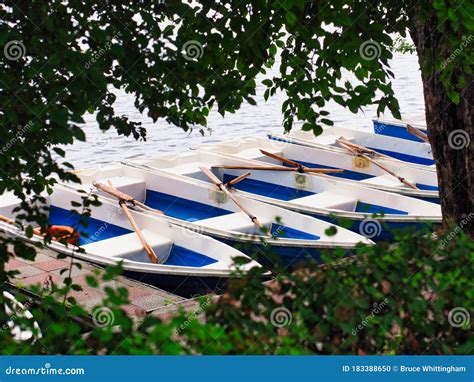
[[237, 221], [328, 200], [129, 247], [131, 186], [384, 180]]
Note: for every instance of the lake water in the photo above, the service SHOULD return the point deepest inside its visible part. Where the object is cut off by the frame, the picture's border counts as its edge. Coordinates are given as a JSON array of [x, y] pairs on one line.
[[102, 148]]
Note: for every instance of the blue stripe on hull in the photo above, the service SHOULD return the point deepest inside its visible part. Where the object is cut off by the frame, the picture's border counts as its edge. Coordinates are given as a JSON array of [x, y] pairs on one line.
[[394, 131], [289, 256], [96, 230], [405, 157], [383, 231], [358, 176]]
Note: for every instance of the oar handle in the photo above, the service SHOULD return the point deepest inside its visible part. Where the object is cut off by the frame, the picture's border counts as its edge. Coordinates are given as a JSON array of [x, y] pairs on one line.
[[123, 196], [362, 149], [417, 133], [401, 179], [147, 247], [114, 192], [282, 159], [233, 182], [214, 179]]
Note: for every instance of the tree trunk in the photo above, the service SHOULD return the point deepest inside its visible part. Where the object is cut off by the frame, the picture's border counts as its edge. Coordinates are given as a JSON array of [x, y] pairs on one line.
[[450, 129]]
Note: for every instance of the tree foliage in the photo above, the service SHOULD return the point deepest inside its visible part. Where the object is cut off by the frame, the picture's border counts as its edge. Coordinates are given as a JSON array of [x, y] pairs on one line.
[[180, 59], [63, 59], [415, 297]]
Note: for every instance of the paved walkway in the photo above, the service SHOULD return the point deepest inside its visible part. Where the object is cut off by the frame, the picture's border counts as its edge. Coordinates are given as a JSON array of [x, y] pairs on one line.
[[144, 299]]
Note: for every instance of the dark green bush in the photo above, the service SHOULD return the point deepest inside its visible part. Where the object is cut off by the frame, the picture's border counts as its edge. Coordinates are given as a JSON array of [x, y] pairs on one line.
[[413, 297]]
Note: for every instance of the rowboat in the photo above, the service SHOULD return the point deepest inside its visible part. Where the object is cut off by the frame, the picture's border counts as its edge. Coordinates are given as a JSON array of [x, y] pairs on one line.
[[417, 153], [205, 208], [380, 174], [184, 266], [399, 128], [327, 198]]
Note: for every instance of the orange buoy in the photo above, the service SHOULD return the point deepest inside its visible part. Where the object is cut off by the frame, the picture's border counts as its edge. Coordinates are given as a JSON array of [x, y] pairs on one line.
[[59, 232]]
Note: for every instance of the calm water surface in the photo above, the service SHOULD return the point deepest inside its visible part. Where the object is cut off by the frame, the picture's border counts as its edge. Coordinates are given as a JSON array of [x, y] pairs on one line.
[[102, 148]]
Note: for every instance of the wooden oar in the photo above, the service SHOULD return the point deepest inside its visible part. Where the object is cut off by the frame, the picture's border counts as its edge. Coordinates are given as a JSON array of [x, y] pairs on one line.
[[234, 181], [417, 133], [355, 152], [123, 196], [298, 166], [147, 247], [258, 167], [214, 179], [363, 149], [278, 168], [36, 231]]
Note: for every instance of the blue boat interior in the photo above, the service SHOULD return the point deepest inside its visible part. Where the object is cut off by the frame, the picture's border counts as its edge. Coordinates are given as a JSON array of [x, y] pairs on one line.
[[358, 176], [181, 208], [191, 210], [277, 191], [98, 230], [346, 174], [282, 231], [271, 190]]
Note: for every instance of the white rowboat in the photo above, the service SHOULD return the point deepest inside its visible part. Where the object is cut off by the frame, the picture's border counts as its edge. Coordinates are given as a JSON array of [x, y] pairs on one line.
[[184, 265]]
